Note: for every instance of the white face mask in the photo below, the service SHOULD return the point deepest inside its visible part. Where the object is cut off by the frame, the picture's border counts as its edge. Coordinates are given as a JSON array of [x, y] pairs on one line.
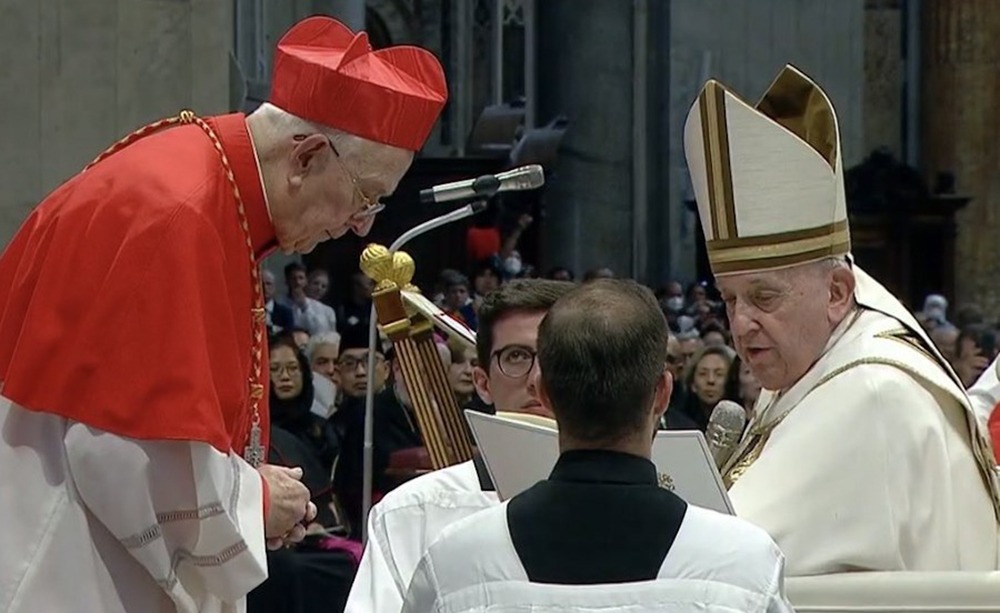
[[675, 304], [512, 265]]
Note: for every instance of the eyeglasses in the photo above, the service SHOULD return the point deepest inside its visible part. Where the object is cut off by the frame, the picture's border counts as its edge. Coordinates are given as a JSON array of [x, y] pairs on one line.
[[351, 363], [515, 361], [292, 369], [372, 207]]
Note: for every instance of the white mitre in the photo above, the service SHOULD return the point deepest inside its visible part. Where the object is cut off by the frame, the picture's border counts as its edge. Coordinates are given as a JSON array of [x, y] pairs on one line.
[[769, 182], [769, 178]]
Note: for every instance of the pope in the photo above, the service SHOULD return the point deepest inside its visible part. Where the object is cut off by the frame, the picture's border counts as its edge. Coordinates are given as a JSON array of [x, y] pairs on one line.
[[134, 412], [864, 453]]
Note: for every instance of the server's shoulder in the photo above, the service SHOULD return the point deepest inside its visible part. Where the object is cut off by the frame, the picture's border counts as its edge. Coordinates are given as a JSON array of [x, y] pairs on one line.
[[456, 485], [726, 537]]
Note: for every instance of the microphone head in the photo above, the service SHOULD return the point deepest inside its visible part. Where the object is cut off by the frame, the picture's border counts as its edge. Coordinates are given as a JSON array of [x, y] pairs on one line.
[[522, 178], [724, 429], [729, 415]]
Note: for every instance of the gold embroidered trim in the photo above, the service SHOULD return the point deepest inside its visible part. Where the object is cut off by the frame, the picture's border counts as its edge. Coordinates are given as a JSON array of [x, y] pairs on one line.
[[749, 455], [763, 432], [908, 338]]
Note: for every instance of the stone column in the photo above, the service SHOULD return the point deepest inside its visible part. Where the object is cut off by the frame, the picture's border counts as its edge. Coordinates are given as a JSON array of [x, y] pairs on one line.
[[585, 73], [350, 12], [960, 123], [79, 74], [883, 72]]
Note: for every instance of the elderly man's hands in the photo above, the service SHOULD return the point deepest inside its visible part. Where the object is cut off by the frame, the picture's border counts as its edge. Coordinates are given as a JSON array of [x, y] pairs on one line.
[[289, 509]]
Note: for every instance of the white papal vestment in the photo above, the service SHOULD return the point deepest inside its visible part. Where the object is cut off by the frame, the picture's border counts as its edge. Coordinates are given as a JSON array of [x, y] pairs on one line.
[[873, 460], [717, 563], [403, 525], [99, 523]]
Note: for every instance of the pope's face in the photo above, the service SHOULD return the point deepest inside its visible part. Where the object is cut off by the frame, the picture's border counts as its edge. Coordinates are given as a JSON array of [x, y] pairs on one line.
[[780, 321], [330, 185]]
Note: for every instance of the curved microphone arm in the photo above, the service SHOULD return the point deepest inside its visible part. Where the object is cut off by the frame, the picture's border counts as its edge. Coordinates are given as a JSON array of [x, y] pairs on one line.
[[366, 491]]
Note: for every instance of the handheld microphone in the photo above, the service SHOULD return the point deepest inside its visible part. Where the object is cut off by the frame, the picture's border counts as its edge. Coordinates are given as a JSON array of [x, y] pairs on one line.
[[724, 429], [517, 179]]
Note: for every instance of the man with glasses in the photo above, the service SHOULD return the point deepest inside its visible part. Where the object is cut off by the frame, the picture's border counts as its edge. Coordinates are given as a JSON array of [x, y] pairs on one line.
[[675, 418], [352, 365], [170, 502], [408, 519], [394, 427]]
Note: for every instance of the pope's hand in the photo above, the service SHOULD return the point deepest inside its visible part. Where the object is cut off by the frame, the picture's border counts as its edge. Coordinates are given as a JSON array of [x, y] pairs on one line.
[[289, 500]]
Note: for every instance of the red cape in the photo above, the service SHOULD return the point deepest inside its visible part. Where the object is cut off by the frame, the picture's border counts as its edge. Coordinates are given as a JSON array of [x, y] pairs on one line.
[[994, 427], [125, 298]]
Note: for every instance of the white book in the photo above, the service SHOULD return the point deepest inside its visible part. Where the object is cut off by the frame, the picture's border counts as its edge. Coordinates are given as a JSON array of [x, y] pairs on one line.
[[521, 451], [416, 302]]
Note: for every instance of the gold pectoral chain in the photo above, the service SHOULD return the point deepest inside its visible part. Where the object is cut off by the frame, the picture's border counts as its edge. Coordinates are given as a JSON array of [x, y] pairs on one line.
[[254, 452]]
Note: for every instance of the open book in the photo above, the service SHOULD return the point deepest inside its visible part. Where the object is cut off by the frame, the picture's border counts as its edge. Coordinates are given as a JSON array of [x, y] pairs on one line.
[[454, 329], [520, 450]]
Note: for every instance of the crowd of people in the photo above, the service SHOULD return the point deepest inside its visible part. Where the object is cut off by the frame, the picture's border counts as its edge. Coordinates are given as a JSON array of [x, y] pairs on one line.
[[319, 359], [234, 469]]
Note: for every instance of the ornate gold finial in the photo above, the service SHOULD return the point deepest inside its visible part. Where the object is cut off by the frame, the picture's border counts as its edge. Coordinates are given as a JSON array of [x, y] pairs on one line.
[[403, 268], [665, 481], [377, 264]]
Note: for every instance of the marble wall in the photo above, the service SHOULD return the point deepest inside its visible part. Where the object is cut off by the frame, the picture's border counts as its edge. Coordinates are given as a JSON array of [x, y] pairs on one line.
[[76, 75]]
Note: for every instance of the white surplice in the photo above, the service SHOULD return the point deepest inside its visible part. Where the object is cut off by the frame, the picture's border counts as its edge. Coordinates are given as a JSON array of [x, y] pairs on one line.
[[96, 522], [717, 563], [876, 461], [403, 525]]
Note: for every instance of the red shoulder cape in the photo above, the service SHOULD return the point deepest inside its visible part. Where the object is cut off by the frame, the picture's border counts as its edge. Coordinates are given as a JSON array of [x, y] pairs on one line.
[[125, 298], [994, 427]]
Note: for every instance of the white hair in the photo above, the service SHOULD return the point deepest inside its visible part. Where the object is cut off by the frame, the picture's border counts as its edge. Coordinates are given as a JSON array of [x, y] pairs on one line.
[[324, 338], [834, 262], [828, 264], [279, 124]]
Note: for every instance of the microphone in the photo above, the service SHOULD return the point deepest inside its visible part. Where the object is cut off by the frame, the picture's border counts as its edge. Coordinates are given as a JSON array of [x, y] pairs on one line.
[[724, 429], [517, 179]]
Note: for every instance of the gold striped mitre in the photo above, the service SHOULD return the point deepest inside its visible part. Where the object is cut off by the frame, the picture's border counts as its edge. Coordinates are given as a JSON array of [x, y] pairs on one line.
[[768, 178]]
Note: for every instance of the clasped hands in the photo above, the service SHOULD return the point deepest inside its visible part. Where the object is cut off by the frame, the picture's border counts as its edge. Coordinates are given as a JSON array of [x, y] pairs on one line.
[[290, 509]]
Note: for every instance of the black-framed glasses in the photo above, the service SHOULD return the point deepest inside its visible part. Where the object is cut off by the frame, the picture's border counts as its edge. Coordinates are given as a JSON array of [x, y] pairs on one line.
[[349, 362], [515, 361], [372, 207]]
